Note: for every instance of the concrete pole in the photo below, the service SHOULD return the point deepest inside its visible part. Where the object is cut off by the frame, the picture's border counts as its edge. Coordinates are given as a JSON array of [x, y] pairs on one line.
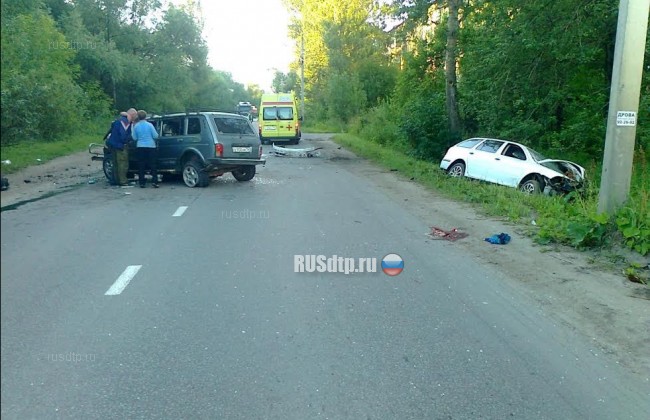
[[623, 104], [302, 71]]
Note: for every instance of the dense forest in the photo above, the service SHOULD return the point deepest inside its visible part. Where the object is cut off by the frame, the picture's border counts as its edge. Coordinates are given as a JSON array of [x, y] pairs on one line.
[[68, 64], [418, 74], [537, 72]]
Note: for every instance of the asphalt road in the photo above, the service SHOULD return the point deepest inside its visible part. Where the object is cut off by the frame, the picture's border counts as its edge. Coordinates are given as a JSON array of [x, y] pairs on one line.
[[215, 323]]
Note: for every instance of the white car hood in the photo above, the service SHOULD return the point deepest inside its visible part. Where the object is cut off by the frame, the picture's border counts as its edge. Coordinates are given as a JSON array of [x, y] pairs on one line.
[[565, 168]]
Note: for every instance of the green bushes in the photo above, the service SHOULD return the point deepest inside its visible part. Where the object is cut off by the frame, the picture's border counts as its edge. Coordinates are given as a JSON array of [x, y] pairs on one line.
[[418, 125], [633, 220], [379, 125], [40, 99], [424, 124]]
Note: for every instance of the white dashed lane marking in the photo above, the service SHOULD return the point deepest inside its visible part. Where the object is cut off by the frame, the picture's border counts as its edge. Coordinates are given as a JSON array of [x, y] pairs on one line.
[[180, 211], [130, 272], [123, 280]]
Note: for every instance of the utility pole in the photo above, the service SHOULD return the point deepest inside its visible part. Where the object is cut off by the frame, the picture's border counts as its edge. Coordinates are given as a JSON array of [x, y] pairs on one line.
[[302, 70], [618, 159]]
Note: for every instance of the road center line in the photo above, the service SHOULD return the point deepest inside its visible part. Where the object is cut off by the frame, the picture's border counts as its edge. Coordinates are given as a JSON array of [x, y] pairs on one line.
[[180, 211], [123, 280]]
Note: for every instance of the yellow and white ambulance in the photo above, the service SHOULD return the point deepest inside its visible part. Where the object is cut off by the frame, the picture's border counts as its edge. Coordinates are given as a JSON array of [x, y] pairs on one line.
[[278, 118]]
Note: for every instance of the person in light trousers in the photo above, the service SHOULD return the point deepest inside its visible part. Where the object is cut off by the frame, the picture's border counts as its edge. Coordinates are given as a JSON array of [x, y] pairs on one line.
[[145, 134]]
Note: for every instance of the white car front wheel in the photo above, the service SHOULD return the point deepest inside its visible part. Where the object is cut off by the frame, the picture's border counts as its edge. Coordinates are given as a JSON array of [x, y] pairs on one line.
[[457, 169], [532, 186]]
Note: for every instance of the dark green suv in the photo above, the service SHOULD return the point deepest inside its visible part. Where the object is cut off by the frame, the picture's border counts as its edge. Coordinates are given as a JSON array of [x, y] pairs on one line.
[[199, 146]]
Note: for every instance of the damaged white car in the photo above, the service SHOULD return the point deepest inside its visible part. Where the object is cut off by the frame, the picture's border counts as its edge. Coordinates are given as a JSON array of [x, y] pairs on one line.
[[512, 164]]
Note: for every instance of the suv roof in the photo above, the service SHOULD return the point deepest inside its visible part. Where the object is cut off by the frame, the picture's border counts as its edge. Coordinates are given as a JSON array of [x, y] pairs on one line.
[[187, 113]]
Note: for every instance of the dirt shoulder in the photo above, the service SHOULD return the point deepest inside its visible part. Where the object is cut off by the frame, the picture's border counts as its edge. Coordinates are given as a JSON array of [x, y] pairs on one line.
[[592, 299], [51, 176]]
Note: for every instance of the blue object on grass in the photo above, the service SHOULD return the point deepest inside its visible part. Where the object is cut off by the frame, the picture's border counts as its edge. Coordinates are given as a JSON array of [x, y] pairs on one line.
[[500, 239]]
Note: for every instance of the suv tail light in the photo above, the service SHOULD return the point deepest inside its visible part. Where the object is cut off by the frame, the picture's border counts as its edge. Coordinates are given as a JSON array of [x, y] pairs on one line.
[[218, 148], [260, 153]]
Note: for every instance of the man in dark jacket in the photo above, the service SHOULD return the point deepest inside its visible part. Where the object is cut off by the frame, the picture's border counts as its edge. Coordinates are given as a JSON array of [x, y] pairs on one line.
[[118, 143]]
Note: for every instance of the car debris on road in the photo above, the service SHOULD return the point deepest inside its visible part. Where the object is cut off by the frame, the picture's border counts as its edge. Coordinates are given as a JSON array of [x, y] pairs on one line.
[[308, 152], [450, 235]]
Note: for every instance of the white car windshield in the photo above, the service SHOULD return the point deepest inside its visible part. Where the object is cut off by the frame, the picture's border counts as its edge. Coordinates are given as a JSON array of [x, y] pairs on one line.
[[537, 156]]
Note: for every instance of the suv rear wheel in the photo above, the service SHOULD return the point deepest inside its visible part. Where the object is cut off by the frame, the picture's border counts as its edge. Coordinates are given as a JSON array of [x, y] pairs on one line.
[[193, 174], [244, 173]]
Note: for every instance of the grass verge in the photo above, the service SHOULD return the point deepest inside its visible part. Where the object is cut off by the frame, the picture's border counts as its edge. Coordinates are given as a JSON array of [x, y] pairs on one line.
[[33, 153]]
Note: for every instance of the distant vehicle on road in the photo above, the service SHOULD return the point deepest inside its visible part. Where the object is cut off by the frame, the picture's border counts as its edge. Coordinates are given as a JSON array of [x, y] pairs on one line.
[[245, 109]]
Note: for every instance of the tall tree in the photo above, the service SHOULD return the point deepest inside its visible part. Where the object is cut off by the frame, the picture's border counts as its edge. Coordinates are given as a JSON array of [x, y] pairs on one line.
[[343, 43], [285, 82], [450, 72]]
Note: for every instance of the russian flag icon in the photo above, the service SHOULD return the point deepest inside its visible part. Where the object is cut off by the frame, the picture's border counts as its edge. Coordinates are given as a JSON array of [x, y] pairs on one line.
[[392, 264]]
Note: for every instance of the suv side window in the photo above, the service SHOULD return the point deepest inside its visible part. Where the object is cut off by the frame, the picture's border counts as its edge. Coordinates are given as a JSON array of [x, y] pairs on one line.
[[193, 125], [172, 126]]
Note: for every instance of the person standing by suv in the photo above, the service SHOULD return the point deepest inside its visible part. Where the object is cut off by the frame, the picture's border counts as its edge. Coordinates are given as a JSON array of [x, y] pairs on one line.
[[145, 134], [118, 143]]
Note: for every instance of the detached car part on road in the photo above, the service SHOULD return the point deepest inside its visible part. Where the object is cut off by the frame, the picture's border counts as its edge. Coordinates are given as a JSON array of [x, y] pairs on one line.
[[308, 152], [512, 164], [197, 146]]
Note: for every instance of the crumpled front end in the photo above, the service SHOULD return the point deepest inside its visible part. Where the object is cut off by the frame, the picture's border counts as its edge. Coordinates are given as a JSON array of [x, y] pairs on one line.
[[570, 177]]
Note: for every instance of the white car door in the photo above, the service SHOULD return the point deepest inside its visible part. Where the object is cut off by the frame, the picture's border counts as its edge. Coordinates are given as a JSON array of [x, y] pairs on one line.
[[482, 159], [512, 165]]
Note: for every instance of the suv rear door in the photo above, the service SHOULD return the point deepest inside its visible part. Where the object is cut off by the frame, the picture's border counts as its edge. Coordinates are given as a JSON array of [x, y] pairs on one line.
[[198, 136], [237, 136]]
